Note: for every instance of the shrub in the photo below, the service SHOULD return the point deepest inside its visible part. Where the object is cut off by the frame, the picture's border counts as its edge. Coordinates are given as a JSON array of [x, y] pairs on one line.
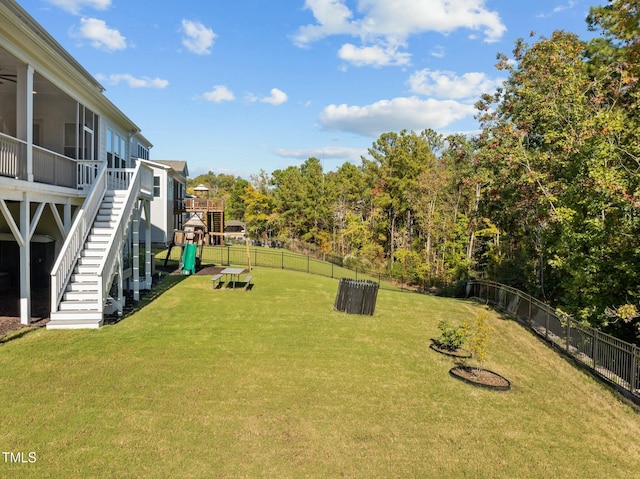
[[451, 337]]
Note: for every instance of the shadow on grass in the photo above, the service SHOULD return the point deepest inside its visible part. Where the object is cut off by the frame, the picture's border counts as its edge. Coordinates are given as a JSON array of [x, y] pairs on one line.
[[166, 282], [18, 333]]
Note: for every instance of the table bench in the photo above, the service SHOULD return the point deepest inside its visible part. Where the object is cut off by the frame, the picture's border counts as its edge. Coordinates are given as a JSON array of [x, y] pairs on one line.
[[247, 282], [215, 281]]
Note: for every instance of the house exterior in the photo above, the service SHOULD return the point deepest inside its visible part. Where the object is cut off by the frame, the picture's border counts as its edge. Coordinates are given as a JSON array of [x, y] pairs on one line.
[[74, 181], [167, 206], [234, 232]]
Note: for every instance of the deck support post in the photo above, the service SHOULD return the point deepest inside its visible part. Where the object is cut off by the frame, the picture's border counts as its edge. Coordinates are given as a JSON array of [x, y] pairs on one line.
[[136, 251], [25, 263], [147, 242]]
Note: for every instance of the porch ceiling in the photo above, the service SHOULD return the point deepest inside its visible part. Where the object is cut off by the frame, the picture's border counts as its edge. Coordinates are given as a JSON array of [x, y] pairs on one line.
[[8, 66]]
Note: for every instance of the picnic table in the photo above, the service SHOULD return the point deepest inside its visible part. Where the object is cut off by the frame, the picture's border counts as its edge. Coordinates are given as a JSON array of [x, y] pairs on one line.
[[234, 275]]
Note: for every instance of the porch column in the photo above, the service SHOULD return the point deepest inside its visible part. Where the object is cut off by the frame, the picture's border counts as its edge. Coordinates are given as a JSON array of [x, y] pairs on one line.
[[147, 241], [135, 218], [24, 113], [25, 263], [121, 297], [67, 216]]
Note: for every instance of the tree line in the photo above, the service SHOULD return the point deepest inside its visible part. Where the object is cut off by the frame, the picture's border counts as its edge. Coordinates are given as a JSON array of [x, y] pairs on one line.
[[546, 197]]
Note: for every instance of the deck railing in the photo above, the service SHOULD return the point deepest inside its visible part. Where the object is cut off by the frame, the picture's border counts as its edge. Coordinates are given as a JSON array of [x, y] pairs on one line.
[[53, 168], [614, 360], [11, 151], [203, 204], [49, 167], [87, 172]]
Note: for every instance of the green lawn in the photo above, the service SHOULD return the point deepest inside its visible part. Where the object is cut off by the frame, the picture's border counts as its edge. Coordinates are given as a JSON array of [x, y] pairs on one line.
[[273, 383]]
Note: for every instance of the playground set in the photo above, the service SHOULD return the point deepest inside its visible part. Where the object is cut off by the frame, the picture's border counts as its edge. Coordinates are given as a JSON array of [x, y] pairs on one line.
[[205, 226]]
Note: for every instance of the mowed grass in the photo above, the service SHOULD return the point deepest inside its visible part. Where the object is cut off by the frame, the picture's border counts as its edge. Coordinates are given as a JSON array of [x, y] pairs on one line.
[[273, 383]]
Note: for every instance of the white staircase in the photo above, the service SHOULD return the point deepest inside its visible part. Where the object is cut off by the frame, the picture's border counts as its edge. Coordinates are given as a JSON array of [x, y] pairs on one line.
[[81, 306]]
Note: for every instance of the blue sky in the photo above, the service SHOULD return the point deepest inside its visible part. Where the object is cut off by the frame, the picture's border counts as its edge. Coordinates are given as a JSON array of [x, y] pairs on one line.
[[239, 86]]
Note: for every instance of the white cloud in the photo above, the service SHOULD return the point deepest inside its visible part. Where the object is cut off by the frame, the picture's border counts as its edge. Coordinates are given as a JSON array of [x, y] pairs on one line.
[[218, 94], [133, 82], [100, 35], [569, 5], [277, 97], [384, 24], [333, 18], [74, 6], [376, 55], [438, 51], [397, 114], [445, 84], [198, 39], [329, 153]]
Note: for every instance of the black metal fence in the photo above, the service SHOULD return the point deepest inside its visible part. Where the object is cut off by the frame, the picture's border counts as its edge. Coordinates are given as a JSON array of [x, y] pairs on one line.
[[613, 360], [284, 259], [356, 297]]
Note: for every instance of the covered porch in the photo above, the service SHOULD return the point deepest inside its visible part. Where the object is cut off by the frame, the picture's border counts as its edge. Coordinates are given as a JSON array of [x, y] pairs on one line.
[[46, 136]]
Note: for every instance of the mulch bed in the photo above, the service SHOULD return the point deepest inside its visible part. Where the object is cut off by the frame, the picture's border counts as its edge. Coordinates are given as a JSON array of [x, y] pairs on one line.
[[481, 377], [10, 310], [459, 353]]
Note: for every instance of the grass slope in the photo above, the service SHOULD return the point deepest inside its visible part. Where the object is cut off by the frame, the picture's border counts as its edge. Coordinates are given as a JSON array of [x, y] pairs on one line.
[[273, 383]]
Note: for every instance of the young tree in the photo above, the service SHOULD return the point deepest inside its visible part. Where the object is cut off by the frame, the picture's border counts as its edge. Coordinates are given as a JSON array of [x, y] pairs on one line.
[[258, 206]]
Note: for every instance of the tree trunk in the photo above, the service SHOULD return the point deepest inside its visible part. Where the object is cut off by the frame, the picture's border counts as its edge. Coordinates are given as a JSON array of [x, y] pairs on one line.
[[393, 236]]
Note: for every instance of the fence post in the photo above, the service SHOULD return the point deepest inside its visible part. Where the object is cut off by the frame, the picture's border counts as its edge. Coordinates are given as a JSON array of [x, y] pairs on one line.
[[568, 335], [308, 260], [634, 370], [546, 323], [282, 259], [228, 255], [331, 270], [595, 348]]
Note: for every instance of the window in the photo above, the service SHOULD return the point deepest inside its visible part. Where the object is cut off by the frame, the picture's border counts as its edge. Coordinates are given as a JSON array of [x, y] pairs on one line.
[[123, 152], [36, 132], [156, 186], [80, 140], [70, 140], [87, 126], [116, 150], [143, 152], [109, 149]]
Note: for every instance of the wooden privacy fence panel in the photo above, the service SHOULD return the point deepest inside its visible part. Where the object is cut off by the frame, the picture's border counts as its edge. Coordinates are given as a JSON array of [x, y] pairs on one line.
[[356, 297], [608, 357]]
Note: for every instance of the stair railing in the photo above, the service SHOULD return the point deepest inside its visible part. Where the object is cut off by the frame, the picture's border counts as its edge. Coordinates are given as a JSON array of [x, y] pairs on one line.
[[68, 256], [135, 181]]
